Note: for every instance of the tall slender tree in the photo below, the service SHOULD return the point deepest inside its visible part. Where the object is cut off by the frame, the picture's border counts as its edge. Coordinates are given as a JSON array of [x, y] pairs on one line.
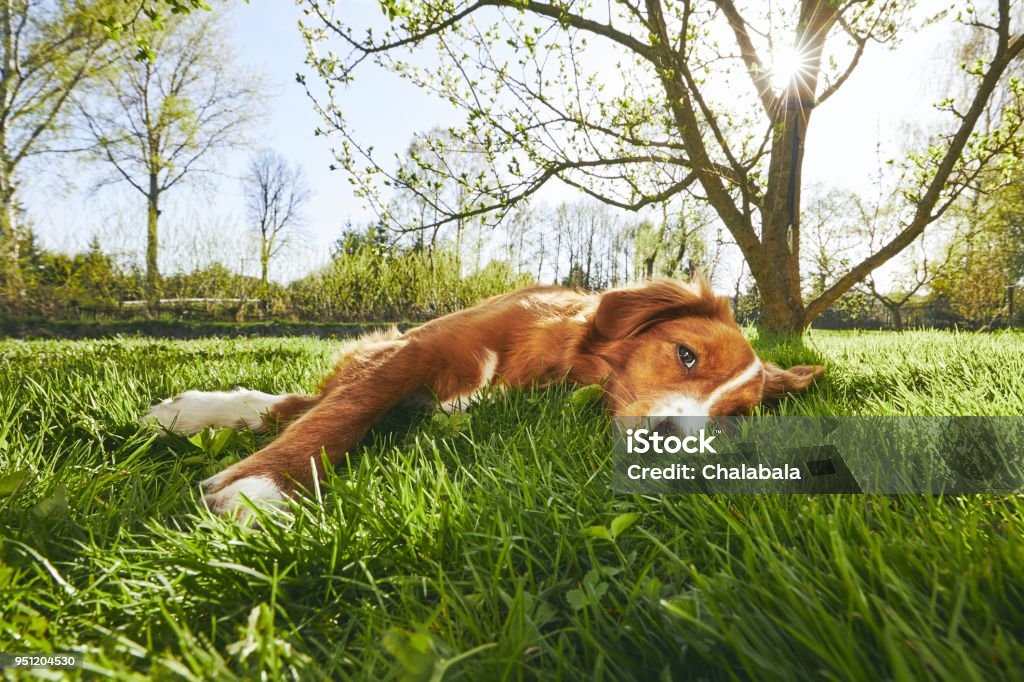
[[160, 121], [276, 193], [48, 49]]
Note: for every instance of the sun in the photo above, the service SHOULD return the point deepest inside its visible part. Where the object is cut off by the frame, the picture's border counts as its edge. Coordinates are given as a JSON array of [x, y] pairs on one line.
[[787, 63]]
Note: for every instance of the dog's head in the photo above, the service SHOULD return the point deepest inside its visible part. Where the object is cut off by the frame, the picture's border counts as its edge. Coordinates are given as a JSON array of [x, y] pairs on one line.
[[674, 350]]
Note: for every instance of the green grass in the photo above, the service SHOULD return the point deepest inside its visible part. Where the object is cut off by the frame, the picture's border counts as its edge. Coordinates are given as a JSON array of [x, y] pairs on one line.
[[171, 328], [463, 547]]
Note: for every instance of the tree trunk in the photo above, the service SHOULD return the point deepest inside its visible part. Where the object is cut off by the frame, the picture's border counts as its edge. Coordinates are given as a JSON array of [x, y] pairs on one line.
[[680, 255], [775, 262], [152, 268], [778, 278], [782, 312], [649, 266], [897, 318], [778, 272], [9, 266], [458, 249], [264, 262], [11, 269]]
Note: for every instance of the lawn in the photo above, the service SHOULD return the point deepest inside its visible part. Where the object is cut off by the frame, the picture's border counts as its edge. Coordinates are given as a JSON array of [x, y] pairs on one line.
[[490, 548]]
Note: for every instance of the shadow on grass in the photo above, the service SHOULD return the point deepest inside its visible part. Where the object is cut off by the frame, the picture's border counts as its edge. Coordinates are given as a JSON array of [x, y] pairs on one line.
[[788, 351], [785, 350], [43, 328]]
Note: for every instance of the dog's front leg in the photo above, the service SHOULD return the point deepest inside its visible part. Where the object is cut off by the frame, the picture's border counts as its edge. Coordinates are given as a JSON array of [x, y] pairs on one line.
[[364, 389]]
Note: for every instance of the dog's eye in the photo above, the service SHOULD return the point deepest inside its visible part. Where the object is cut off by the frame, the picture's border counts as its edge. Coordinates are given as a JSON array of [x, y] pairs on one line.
[[686, 356]]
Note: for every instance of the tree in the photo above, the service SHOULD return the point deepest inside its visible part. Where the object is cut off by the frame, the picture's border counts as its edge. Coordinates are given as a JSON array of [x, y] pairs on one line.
[[985, 268], [839, 224], [985, 265], [917, 267], [406, 212], [48, 49], [539, 107], [275, 196], [586, 231], [827, 242], [675, 247], [157, 122]]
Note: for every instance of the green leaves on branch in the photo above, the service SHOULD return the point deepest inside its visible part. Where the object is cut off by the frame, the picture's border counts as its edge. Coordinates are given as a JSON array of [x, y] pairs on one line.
[[394, 9], [152, 11]]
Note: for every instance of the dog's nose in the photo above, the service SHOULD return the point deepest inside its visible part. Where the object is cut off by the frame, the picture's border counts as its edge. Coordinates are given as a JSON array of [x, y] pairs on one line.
[[679, 426], [669, 426]]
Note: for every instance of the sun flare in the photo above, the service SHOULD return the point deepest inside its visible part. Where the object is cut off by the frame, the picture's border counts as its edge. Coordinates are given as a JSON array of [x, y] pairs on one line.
[[787, 63]]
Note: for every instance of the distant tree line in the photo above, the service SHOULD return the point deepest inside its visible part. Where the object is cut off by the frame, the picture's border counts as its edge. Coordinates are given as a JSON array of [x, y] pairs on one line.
[[972, 281], [367, 279]]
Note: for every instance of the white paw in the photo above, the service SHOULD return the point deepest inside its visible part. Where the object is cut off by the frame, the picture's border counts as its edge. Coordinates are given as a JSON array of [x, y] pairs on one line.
[[192, 411], [227, 500]]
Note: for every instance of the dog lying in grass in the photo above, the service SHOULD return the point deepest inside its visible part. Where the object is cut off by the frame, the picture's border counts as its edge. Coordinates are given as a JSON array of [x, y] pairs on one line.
[[661, 348]]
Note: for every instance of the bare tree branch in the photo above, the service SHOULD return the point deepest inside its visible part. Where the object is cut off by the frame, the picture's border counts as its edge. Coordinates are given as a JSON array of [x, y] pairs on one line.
[[759, 75]]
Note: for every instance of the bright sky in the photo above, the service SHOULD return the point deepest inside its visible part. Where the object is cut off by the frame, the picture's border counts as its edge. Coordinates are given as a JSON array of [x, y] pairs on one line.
[[888, 90]]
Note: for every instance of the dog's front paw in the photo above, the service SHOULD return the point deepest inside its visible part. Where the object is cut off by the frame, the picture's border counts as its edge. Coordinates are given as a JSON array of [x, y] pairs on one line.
[[168, 415], [225, 491], [193, 411]]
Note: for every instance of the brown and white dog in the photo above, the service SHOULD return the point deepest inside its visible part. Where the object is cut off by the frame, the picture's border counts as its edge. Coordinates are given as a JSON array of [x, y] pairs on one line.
[[660, 349]]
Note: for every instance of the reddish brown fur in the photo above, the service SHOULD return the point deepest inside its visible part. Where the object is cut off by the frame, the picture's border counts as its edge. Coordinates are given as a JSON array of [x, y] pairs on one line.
[[625, 339]]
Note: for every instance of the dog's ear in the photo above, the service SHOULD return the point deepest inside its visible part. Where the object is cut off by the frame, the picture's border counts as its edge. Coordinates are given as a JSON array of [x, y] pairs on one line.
[[778, 382], [623, 312]]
